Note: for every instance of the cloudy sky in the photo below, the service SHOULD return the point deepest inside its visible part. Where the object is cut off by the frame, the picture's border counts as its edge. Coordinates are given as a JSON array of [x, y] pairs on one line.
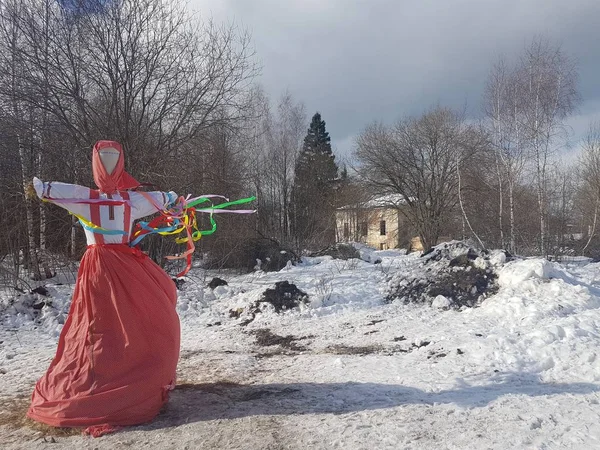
[[357, 61]]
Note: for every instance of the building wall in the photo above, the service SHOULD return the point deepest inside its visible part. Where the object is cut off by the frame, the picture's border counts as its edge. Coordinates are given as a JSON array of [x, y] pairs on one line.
[[350, 227], [362, 225]]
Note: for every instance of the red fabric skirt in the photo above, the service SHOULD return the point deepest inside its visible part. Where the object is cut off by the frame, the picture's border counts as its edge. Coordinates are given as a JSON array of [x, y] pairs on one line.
[[118, 350]]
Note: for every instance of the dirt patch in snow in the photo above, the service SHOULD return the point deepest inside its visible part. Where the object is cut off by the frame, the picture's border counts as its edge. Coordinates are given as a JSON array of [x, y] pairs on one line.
[[235, 391], [283, 297], [216, 387], [354, 350], [12, 412], [341, 349], [265, 338]]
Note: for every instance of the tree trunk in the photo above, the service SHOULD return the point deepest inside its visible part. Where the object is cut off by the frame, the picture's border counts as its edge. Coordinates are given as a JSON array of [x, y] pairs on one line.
[[593, 226], [511, 199], [500, 201], [33, 263], [462, 207]]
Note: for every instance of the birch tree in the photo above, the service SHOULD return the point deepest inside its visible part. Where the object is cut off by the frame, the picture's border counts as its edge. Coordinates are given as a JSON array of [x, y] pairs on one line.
[[284, 142], [589, 191], [495, 111], [525, 107], [16, 113], [549, 93], [563, 221]]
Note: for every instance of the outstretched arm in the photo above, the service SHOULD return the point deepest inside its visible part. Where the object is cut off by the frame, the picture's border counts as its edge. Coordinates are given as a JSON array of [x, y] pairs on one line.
[[147, 203], [54, 190], [60, 194]]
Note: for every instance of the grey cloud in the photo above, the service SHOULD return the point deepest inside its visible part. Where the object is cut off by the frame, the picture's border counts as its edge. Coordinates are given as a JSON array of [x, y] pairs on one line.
[[359, 61]]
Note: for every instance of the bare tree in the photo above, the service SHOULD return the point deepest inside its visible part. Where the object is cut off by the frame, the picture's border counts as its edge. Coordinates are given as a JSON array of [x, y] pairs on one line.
[[272, 157], [284, 140], [589, 168], [143, 72], [465, 214], [525, 108], [504, 119], [495, 111], [563, 230], [16, 115], [549, 95], [417, 158]]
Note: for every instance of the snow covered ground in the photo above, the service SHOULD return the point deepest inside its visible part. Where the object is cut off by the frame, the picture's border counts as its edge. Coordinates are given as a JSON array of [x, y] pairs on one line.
[[348, 370]]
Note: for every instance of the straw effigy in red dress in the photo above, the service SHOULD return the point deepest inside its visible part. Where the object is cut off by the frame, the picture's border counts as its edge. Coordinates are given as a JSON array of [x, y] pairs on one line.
[[118, 350]]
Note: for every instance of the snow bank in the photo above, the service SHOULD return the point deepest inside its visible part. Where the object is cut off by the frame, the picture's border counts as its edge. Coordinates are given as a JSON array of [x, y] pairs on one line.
[[543, 320], [515, 273], [524, 366], [48, 312]]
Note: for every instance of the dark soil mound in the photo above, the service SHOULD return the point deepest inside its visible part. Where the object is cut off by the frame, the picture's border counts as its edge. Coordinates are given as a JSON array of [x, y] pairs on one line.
[[179, 282], [465, 287], [462, 274], [284, 296], [216, 282]]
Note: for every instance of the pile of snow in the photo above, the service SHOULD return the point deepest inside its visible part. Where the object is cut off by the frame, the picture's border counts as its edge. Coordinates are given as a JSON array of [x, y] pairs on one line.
[[47, 311], [369, 254], [544, 319], [515, 273]]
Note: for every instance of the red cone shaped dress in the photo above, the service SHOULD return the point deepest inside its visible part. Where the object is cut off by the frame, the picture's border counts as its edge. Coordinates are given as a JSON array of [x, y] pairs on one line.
[[118, 350]]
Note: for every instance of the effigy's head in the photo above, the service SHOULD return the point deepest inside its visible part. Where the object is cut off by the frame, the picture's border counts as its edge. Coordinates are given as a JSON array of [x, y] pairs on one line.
[[108, 166], [109, 157]]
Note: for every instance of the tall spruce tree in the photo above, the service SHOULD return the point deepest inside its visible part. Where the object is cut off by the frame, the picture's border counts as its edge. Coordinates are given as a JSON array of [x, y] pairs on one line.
[[315, 174]]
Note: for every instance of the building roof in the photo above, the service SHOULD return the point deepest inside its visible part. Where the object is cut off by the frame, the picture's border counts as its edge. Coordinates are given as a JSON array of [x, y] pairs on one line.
[[380, 201]]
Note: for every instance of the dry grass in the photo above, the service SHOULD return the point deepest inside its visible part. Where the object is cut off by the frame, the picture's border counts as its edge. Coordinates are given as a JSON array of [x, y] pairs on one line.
[[12, 415], [13, 410], [214, 387]]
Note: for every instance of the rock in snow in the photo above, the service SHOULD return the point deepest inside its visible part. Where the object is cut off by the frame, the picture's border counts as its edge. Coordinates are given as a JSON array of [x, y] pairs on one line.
[[441, 302]]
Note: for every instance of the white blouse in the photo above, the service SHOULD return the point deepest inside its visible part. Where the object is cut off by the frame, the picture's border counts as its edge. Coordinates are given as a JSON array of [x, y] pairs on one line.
[[110, 217]]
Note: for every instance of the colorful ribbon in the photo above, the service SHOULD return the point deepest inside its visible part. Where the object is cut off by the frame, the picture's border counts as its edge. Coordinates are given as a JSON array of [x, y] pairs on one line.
[[99, 201], [180, 217], [88, 225]]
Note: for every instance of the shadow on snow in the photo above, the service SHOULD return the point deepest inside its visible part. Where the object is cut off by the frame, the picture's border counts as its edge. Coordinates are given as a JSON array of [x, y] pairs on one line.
[[208, 401]]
